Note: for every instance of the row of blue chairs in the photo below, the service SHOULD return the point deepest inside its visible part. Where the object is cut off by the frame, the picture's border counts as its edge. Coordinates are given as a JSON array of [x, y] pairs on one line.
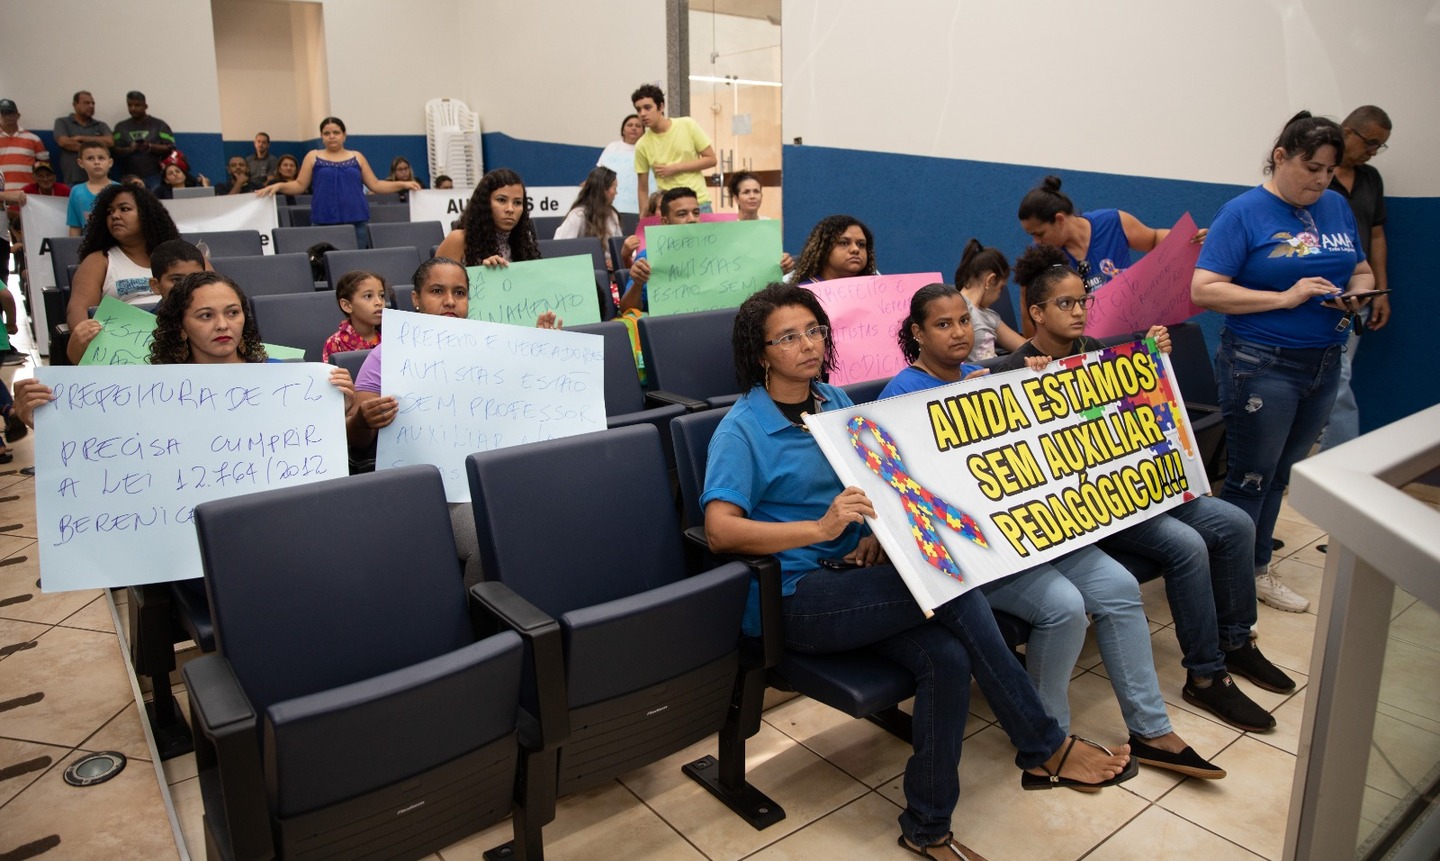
[[352, 707]]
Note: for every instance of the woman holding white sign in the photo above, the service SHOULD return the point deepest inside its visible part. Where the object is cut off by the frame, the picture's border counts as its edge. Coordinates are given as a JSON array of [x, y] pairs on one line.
[[1202, 547], [1055, 597], [441, 287], [495, 229], [769, 490], [201, 321]]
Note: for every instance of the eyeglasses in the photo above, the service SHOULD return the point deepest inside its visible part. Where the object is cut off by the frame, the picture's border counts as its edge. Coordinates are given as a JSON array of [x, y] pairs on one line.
[[1370, 143], [792, 339], [1307, 221], [1066, 303]]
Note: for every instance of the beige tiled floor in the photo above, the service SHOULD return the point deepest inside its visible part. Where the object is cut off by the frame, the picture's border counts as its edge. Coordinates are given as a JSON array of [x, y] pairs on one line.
[[838, 779]]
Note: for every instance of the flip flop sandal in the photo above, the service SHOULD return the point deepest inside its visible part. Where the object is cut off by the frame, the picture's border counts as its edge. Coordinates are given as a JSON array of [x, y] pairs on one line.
[[948, 848], [1052, 779]]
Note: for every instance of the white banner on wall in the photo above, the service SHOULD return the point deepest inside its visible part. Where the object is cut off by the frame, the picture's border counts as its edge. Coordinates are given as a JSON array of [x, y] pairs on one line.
[[44, 217], [445, 205]]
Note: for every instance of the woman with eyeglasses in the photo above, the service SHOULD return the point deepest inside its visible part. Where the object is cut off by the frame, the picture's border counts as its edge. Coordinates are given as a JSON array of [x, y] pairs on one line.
[[769, 490], [1286, 266], [1200, 547]]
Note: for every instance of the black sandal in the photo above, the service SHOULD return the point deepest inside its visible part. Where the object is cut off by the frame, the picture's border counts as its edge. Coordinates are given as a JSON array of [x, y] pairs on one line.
[[1052, 779], [957, 849]]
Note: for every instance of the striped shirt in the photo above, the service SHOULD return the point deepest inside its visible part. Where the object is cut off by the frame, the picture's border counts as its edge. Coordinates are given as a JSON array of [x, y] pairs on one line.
[[18, 154]]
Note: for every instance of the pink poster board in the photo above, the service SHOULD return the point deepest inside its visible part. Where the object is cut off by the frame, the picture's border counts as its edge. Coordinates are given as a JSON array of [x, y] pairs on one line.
[[865, 313], [1155, 291], [705, 218]]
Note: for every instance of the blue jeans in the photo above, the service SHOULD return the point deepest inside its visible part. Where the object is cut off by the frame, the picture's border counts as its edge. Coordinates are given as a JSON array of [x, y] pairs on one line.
[[1344, 424], [1274, 400], [1054, 599], [1204, 551], [836, 611]]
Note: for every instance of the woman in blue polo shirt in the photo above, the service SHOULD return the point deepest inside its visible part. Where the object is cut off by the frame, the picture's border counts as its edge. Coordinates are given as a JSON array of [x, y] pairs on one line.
[[1282, 263], [769, 490]]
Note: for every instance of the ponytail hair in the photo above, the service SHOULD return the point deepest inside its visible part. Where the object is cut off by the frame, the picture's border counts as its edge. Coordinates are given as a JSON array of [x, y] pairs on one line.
[[977, 261], [1303, 136]]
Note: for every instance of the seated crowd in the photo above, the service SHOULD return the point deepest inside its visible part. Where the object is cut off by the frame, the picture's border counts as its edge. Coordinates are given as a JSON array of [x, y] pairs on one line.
[[769, 490]]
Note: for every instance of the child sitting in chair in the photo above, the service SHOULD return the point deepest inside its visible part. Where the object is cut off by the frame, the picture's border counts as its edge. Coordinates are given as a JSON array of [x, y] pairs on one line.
[[361, 296]]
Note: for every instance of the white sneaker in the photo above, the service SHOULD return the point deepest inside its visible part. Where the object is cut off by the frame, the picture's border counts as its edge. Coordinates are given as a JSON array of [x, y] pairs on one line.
[[1270, 590]]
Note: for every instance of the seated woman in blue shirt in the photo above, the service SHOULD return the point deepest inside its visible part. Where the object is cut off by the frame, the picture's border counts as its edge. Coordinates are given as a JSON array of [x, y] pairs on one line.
[[1055, 597], [769, 490]]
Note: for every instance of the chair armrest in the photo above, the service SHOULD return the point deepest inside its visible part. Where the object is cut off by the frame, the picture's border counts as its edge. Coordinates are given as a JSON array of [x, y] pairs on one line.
[[691, 405], [767, 571], [227, 746], [547, 652]]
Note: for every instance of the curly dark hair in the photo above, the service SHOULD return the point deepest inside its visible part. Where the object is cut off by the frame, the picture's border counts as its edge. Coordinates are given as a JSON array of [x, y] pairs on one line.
[[170, 346], [647, 91], [817, 248], [479, 224], [748, 337], [1045, 201], [919, 313], [155, 222], [1038, 270], [733, 182]]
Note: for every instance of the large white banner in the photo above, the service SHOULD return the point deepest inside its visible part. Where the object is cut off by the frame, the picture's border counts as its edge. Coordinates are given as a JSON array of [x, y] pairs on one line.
[[125, 453], [44, 217], [465, 386], [982, 478], [445, 205]]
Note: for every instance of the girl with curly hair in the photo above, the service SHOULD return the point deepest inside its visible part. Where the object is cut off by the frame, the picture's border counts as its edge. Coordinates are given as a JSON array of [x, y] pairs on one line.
[[840, 246], [495, 229], [125, 225]]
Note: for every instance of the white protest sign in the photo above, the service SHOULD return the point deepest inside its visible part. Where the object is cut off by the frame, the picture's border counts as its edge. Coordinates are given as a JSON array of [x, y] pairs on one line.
[[465, 386], [43, 218], [124, 454], [237, 212], [979, 479]]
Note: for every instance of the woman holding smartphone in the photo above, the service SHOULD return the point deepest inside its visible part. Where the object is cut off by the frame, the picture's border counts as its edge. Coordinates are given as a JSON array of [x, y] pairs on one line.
[[1284, 264]]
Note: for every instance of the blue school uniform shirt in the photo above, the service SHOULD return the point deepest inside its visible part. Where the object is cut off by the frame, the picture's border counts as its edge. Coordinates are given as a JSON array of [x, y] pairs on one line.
[[1109, 250], [775, 472], [1264, 243], [912, 379]]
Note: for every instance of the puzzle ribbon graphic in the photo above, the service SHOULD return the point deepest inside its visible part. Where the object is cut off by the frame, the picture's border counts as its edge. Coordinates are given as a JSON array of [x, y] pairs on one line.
[[923, 507]]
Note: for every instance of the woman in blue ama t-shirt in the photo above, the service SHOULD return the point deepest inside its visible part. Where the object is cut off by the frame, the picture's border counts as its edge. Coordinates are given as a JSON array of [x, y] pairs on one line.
[[1279, 262]]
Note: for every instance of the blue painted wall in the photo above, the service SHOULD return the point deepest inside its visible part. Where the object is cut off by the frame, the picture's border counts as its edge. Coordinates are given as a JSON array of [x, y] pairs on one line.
[[923, 210]]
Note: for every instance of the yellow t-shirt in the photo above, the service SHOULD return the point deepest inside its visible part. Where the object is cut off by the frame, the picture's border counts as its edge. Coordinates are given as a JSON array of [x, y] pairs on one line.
[[683, 142]]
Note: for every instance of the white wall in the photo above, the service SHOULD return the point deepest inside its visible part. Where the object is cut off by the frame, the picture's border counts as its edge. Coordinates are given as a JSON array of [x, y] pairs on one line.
[[267, 55], [560, 71], [1174, 90], [40, 69]]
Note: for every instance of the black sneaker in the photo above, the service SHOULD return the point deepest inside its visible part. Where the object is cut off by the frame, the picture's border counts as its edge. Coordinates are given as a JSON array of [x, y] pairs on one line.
[[1227, 702], [1247, 663]]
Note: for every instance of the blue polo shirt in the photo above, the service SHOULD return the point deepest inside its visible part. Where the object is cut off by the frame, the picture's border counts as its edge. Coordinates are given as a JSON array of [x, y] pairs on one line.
[[1264, 243], [912, 379], [776, 473]]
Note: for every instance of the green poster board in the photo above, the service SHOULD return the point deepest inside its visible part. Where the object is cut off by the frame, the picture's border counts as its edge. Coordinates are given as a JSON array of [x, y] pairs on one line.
[[125, 336], [702, 267], [520, 292]]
